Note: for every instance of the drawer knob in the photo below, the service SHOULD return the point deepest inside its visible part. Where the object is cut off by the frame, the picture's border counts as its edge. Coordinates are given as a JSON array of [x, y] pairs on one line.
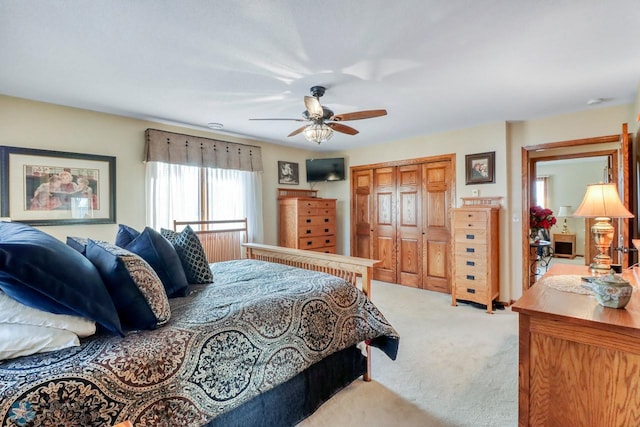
[[309, 243], [471, 250], [327, 241], [308, 219], [326, 230], [471, 277], [471, 263], [308, 231], [326, 220], [471, 236], [471, 291]]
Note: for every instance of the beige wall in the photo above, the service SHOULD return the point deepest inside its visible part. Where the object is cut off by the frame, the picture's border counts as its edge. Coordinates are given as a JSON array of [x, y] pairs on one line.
[[37, 125]]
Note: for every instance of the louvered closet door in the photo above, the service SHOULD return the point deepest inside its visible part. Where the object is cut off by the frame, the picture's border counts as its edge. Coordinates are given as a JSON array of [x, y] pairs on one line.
[[436, 226], [409, 225], [361, 216], [384, 226]]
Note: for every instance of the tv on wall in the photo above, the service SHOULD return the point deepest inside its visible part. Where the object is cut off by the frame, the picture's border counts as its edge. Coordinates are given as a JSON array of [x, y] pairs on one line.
[[320, 170]]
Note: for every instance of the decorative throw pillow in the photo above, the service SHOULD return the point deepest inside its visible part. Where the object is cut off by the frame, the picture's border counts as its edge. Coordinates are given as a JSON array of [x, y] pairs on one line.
[[125, 235], [135, 288], [42, 272], [162, 257], [191, 254], [23, 340], [12, 311]]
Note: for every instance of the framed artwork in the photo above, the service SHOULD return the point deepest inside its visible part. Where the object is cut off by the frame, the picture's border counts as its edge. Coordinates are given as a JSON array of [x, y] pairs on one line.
[[288, 173], [480, 168], [41, 187]]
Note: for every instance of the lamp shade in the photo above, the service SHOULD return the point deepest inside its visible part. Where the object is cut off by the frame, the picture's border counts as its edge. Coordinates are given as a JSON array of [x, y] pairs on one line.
[[602, 200], [318, 132], [564, 211]]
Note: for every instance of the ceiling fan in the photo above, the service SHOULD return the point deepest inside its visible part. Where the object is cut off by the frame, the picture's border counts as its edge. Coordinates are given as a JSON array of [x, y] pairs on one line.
[[323, 121]]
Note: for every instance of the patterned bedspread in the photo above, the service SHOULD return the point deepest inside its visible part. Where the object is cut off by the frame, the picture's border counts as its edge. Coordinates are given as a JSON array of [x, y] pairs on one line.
[[258, 325]]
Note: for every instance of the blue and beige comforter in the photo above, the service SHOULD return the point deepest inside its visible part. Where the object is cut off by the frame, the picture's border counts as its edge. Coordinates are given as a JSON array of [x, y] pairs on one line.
[[258, 325]]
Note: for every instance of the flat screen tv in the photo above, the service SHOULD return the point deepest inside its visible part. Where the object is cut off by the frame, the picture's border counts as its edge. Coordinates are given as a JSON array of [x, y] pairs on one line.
[[320, 170]]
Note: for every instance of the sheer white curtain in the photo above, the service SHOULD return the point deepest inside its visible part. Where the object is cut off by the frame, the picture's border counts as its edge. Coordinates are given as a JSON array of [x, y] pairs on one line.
[[236, 194], [173, 193]]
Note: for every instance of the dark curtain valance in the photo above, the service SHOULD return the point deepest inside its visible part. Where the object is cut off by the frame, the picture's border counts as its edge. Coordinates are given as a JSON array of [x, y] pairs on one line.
[[176, 148]]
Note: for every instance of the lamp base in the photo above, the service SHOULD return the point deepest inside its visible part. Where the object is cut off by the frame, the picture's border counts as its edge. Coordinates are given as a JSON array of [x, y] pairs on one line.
[[602, 236]]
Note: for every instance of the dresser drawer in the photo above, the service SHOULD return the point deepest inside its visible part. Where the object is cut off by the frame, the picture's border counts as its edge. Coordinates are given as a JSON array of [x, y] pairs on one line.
[[470, 250], [470, 219], [316, 220], [316, 211], [471, 267], [326, 250], [470, 236], [316, 204], [317, 230], [471, 292], [317, 242]]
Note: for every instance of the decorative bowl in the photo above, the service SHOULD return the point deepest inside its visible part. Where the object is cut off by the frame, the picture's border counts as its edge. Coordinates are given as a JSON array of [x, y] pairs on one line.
[[612, 290]]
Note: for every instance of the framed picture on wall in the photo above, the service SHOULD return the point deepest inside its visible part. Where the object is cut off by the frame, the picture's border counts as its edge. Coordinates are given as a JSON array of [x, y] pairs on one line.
[[480, 168], [288, 173], [42, 187]]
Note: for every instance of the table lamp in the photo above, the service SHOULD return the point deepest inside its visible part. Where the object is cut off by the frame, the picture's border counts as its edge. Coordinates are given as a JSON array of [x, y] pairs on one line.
[[601, 201], [564, 212]]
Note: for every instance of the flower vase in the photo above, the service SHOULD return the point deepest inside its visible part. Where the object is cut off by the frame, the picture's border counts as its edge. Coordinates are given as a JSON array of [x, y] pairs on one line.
[[533, 236]]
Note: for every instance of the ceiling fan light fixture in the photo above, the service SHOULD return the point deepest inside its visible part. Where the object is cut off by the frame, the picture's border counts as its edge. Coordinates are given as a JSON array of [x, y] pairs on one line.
[[318, 132]]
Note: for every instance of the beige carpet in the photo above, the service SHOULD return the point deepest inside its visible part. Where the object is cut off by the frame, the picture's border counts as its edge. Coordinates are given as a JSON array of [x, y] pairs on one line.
[[457, 366]]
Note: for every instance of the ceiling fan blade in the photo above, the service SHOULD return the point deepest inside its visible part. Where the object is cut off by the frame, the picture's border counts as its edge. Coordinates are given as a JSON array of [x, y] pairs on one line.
[[295, 120], [358, 115], [297, 131], [313, 107], [338, 127]]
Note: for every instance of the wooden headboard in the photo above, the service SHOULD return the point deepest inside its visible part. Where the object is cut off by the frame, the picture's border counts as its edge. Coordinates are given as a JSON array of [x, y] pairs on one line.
[[221, 240]]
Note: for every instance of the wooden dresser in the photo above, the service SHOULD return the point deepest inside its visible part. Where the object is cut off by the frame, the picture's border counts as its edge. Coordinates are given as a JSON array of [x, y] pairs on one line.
[[306, 222], [579, 362], [476, 251]]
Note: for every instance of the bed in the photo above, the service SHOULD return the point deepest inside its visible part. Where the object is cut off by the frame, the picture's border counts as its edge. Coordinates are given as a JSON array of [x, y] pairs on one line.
[[275, 335]]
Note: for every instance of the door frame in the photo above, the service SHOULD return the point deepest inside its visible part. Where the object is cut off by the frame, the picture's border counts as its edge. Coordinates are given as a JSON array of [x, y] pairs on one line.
[[621, 154]]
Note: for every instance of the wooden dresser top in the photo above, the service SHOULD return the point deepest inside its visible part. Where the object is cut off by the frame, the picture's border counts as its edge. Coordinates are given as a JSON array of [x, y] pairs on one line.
[[544, 301]]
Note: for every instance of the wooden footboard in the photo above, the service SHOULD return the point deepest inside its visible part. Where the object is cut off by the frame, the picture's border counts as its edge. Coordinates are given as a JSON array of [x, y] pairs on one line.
[[346, 267]]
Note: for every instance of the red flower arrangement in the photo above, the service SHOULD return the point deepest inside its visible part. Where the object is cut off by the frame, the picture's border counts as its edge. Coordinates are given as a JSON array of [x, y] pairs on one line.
[[541, 218]]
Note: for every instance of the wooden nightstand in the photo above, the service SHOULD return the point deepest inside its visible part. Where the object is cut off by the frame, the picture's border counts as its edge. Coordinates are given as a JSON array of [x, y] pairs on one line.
[[564, 245]]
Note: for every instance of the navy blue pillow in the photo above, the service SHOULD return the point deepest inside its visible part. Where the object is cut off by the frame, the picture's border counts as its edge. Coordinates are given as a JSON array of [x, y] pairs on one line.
[[40, 271], [78, 243], [163, 258], [125, 235], [135, 288]]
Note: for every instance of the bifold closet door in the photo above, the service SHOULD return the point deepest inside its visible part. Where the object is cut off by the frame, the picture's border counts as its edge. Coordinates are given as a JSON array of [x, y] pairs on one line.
[[362, 214], [384, 224], [409, 226], [437, 200]]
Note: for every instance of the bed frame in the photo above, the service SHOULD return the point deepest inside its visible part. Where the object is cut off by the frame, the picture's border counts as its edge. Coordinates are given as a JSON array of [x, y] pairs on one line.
[[225, 240]]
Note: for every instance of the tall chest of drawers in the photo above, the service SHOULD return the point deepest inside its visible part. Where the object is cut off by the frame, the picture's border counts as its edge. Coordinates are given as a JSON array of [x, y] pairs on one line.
[[307, 223], [476, 254]]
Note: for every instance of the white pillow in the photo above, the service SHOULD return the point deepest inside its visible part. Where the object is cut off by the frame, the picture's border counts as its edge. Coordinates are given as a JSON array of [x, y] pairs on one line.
[[23, 340], [12, 311]]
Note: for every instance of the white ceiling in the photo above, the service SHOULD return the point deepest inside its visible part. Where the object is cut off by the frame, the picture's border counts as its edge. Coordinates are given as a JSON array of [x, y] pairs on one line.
[[435, 65]]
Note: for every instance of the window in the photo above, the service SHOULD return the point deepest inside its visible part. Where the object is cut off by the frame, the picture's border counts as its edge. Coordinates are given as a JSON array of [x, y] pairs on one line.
[[541, 191], [190, 193]]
